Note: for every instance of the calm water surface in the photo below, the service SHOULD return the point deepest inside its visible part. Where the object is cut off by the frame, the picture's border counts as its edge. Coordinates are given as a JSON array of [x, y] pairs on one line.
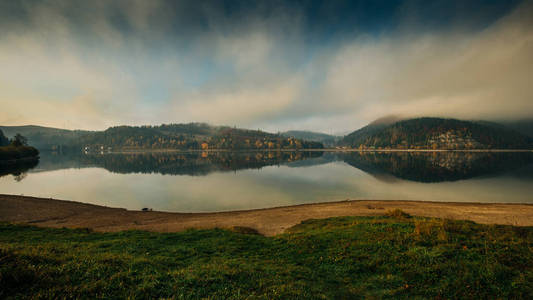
[[205, 182]]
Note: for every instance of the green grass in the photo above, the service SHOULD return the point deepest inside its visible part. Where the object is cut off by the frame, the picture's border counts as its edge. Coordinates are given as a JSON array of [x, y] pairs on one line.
[[348, 257]]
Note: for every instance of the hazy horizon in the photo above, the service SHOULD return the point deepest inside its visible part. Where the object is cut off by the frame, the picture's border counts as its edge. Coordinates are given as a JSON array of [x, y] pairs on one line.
[[329, 67]]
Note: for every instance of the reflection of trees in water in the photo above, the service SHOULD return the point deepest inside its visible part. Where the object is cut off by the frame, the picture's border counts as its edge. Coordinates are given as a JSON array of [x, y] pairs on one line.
[[192, 163], [20, 177], [415, 166], [19, 169], [437, 166]]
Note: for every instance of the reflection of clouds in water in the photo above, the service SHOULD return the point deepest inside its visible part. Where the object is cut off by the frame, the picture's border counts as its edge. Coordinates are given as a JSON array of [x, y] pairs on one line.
[[252, 188]]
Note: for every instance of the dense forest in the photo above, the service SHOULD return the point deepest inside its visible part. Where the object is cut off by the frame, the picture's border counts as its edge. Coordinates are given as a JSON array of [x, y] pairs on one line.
[[436, 133], [192, 136]]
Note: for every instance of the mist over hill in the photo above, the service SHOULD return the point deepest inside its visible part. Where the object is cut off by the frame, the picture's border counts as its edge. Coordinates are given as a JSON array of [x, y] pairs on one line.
[[327, 139], [524, 126], [389, 132]]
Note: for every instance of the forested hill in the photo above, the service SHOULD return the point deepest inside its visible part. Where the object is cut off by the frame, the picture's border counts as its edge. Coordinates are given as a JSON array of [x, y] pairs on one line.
[[437, 133], [45, 137], [524, 126], [192, 136]]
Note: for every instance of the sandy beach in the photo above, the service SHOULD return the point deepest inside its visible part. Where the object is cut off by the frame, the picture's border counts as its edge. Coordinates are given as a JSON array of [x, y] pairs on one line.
[[270, 221]]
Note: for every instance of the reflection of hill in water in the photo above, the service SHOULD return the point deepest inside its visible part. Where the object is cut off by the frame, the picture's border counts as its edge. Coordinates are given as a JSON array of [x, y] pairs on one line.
[[51, 161], [318, 159], [18, 170], [385, 166], [175, 163], [524, 172], [437, 166]]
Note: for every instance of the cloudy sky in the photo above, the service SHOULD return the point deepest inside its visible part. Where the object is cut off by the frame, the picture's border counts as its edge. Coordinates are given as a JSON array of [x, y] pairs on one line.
[[329, 66]]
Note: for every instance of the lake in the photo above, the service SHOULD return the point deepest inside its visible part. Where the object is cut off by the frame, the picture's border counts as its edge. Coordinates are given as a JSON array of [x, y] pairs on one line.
[[222, 181]]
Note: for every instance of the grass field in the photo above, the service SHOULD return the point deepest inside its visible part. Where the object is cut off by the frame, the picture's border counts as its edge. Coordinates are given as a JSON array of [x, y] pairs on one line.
[[347, 257]]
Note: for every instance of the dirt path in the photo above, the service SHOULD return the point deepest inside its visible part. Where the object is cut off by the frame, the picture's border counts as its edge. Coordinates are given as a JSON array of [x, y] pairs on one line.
[[271, 221]]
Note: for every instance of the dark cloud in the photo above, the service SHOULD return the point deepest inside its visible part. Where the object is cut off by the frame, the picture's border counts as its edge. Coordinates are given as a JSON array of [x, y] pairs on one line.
[[319, 19], [322, 65]]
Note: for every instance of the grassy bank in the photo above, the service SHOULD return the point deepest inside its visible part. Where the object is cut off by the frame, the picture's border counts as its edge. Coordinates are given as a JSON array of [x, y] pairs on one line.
[[9, 153], [346, 257]]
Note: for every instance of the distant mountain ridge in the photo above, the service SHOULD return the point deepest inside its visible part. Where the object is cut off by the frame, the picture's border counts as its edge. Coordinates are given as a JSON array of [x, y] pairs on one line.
[[327, 139], [42, 137], [436, 133], [355, 138], [524, 126], [191, 136]]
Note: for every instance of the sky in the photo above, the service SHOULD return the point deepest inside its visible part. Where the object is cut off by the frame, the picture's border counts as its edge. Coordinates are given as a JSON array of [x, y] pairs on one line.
[[327, 66]]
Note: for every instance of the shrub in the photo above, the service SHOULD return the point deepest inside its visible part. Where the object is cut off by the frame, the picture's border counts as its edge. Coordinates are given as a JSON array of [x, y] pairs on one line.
[[11, 152], [397, 213], [425, 229]]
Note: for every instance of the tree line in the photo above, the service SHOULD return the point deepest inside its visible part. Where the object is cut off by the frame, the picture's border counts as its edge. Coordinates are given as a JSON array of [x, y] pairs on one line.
[[192, 136]]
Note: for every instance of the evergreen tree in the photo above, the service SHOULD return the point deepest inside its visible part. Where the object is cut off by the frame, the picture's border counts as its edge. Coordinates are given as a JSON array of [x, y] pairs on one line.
[[19, 140], [4, 141]]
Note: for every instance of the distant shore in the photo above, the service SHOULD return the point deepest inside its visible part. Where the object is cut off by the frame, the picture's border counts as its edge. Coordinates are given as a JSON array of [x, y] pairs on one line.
[[420, 150], [126, 151], [269, 221]]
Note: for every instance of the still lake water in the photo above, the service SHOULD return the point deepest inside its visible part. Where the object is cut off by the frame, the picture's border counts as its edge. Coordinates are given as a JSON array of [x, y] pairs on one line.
[[221, 181]]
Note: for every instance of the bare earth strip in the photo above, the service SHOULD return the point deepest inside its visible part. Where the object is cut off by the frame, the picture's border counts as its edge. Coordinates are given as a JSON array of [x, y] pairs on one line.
[[271, 221]]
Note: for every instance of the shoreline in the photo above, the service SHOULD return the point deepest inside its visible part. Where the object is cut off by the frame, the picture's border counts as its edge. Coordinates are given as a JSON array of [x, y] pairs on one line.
[[129, 151], [425, 150], [267, 221]]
